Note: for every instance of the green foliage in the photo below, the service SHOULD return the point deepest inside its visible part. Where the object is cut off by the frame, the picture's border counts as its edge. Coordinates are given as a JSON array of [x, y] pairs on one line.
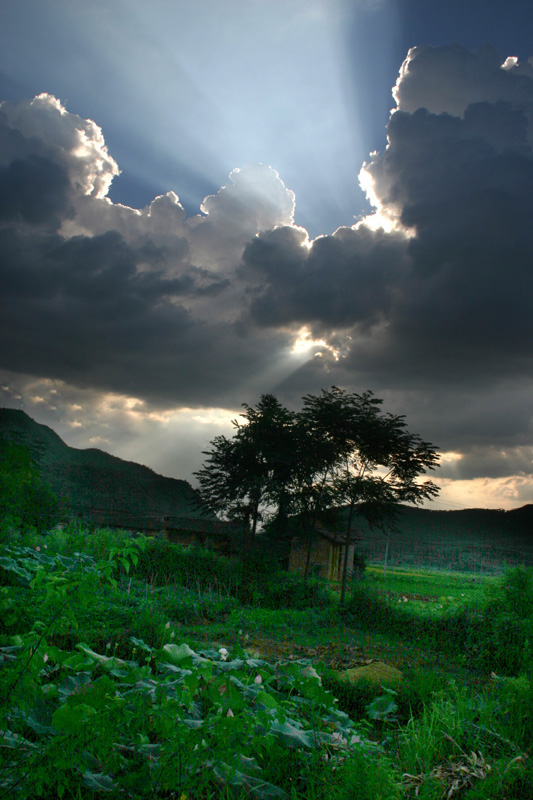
[[25, 501], [514, 707], [353, 698], [510, 779], [102, 692], [288, 590], [496, 636], [163, 563], [366, 776], [369, 609], [327, 455], [245, 474], [176, 720], [514, 593]]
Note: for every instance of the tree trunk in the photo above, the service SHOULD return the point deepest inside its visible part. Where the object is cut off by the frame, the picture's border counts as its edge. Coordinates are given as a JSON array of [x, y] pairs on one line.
[[308, 555], [255, 517], [345, 561], [386, 553], [244, 550]]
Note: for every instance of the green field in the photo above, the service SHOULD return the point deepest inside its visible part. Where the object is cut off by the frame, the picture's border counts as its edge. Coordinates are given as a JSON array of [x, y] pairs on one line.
[[134, 668]]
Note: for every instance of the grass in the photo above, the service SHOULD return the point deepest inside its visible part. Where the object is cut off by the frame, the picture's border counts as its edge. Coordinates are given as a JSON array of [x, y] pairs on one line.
[[72, 605]]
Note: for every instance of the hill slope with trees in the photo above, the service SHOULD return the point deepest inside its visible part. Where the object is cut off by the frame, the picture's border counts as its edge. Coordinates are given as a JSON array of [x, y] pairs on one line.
[[91, 480]]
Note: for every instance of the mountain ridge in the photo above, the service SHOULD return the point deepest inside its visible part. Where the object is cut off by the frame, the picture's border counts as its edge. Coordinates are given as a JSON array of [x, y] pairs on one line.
[[110, 490], [91, 482]]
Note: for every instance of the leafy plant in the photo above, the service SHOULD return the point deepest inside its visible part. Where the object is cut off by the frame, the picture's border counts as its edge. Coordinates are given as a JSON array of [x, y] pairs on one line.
[[25, 500]]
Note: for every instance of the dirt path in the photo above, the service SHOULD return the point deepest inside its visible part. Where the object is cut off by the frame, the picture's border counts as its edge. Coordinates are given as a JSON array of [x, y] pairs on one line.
[[351, 648]]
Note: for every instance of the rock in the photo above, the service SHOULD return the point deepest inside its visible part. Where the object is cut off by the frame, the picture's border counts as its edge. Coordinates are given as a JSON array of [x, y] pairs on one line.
[[377, 672]]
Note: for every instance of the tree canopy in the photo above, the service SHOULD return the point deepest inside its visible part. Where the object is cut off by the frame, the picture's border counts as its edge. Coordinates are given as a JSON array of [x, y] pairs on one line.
[[340, 449]]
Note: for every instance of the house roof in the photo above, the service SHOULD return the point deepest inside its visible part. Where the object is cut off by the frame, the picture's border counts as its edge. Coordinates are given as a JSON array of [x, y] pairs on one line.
[[335, 537], [121, 518]]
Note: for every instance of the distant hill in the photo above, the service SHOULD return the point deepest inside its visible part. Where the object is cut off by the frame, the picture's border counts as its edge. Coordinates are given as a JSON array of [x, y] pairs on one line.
[[94, 485], [475, 538]]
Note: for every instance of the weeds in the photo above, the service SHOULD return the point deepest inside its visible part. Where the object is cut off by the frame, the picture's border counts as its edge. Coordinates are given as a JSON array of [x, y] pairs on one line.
[[101, 692]]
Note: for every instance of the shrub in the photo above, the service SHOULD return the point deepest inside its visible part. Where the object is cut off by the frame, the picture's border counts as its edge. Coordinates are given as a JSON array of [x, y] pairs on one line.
[[353, 697], [164, 563], [365, 607], [514, 595], [514, 713], [509, 780], [286, 590]]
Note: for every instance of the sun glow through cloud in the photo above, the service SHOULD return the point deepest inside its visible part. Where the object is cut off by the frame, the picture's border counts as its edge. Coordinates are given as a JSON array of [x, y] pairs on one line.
[[305, 345]]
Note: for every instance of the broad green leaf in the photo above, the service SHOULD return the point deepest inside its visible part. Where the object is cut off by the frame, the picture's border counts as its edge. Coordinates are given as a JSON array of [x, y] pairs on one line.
[[22, 575], [256, 663], [251, 690], [229, 666], [140, 644], [119, 671], [39, 718], [98, 694], [98, 782], [107, 661], [194, 724], [250, 784], [212, 654], [382, 707], [291, 735], [165, 666], [222, 692], [77, 662], [151, 751], [175, 653], [73, 684], [10, 653], [15, 740], [71, 719], [56, 655], [266, 699]]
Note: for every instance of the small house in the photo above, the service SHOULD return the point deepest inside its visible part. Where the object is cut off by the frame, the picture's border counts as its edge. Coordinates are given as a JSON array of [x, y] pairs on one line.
[[218, 536], [186, 530], [323, 553]]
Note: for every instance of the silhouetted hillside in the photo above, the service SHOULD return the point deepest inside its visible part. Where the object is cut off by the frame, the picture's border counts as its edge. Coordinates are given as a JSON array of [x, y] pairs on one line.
[[93, 483], [475, 538]]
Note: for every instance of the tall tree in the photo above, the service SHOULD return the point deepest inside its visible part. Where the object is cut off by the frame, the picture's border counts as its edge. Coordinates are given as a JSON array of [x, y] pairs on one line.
[[379, 464], [339, 450], [245, 475]]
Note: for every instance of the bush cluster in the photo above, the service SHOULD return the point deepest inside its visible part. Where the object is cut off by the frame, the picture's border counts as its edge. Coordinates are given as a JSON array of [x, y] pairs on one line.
[[497, 637]]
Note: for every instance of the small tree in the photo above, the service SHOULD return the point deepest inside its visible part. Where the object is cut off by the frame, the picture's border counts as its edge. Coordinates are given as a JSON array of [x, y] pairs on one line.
[[25, 500]]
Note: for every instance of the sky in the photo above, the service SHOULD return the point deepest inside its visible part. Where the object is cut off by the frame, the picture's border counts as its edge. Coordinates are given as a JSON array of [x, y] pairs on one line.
[[204, 202]]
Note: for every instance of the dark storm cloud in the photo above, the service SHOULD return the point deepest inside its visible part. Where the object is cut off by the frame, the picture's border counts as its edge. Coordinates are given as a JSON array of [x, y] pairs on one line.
[[440, 321], [19, 199], [458, 291], [34, 188], [427, 303], [451, 78], [135, 302], [471, 206], [336, 281], [81, 310]]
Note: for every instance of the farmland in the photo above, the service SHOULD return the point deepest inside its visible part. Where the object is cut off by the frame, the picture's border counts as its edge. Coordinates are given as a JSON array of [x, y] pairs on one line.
[[137, 668]]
